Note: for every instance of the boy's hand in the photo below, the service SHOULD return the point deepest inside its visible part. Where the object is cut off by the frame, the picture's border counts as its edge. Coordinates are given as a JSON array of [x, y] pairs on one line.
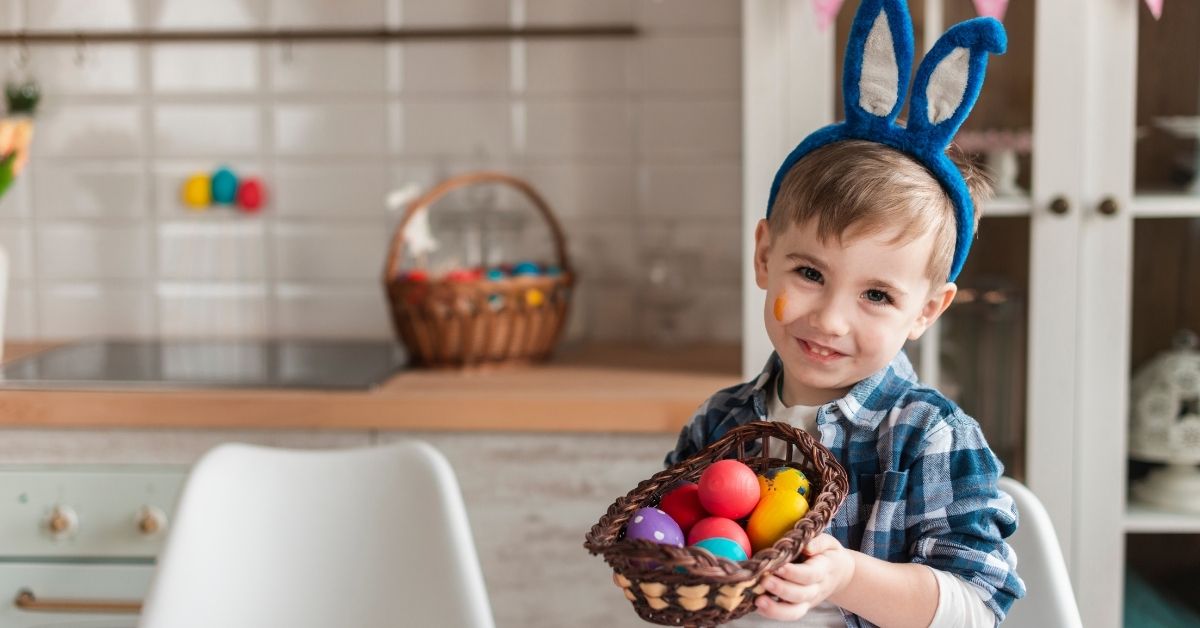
[[801, 586]]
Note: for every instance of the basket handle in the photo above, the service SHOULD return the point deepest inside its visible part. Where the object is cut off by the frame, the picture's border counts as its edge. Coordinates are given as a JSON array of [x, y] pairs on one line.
[[395, 252]]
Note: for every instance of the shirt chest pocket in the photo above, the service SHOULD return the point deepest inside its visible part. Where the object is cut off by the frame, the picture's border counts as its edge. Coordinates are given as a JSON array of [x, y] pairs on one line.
[[884, 535]]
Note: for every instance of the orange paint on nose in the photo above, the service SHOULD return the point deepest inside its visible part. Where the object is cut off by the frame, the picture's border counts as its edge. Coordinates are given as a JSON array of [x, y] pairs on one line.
[[780, 303]]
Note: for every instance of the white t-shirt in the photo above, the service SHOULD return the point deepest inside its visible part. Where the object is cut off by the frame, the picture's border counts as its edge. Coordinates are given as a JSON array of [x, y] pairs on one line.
[[960, 605]]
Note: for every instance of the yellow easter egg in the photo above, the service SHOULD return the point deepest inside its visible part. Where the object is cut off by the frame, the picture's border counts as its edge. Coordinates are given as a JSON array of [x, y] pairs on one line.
[[197, 192], [783, 503], [535, 298]]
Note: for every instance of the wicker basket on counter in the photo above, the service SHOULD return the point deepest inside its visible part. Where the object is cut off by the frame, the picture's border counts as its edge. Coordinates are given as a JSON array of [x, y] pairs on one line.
[[688, 586], [455, 323]]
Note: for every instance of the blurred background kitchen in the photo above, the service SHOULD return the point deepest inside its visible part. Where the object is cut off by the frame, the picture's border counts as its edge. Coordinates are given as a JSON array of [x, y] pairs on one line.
[[203, 210]]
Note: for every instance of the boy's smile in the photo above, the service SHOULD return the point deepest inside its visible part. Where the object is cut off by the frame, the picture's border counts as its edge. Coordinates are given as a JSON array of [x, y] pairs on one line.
[[837, 312]]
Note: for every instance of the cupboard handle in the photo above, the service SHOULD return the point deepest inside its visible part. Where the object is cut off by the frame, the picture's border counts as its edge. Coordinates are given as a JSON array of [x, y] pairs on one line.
[[1060, 205], [1108, 206], [27, 601]]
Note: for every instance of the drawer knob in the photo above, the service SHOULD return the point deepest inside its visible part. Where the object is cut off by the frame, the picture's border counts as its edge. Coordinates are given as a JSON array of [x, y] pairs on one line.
[[151, 520], [62, 521]]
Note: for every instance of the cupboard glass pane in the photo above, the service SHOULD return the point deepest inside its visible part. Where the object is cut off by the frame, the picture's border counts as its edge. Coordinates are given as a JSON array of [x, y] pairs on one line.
[[1168, 101]]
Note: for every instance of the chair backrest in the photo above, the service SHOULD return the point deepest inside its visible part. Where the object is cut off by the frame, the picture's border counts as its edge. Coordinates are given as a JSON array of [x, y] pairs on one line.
[[371, 538], [1049, 599]]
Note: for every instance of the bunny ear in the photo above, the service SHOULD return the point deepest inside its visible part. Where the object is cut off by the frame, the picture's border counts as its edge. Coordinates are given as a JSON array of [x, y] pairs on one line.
[[878, 61], [949, 80]]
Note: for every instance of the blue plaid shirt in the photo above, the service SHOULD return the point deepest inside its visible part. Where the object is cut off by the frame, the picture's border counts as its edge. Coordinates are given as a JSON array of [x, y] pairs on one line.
[[922, 478]]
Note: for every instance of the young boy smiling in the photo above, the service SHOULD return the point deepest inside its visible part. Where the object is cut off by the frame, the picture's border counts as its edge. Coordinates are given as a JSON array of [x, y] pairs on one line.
[[868, 224]]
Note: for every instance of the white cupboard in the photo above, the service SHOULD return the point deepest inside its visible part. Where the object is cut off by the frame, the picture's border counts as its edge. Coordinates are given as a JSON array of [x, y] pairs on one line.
[[1091, 121]]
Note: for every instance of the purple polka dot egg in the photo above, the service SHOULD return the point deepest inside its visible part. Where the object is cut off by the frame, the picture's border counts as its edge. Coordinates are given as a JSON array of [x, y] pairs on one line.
[[654, 525]]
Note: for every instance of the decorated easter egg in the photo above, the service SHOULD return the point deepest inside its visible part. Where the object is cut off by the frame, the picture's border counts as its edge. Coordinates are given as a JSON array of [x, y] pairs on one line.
[[224, 186], [723, 548], [652, 524], [535, 298], [683, 504], [495, 274], [416, 275], [197, 191], [250, 195], [526, 268], [461, 275], [728, 488], [710, 527], [783, 503], [495, 302]]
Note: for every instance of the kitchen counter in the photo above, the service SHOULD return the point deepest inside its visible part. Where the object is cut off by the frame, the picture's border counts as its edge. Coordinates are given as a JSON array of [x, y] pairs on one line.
[[591, 388]]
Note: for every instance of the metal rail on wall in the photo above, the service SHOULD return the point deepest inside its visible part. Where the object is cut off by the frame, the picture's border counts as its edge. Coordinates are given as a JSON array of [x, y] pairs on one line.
[[26, 37]]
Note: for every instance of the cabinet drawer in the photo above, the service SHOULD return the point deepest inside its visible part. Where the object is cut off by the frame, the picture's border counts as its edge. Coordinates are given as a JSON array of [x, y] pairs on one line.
[[71, 581], [102, 510]]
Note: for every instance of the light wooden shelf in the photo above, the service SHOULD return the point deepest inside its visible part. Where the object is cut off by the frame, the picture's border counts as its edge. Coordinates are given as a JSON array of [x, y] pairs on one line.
[[1008, 206], [1166, 206], [1146, 519]]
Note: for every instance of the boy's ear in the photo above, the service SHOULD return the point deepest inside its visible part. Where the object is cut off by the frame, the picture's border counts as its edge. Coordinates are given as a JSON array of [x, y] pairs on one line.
[[938, 301], [762, 249]]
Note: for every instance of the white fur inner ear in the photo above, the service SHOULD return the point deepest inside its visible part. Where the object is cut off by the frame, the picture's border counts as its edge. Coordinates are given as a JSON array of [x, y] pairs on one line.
[[947, 85], [879, 82]]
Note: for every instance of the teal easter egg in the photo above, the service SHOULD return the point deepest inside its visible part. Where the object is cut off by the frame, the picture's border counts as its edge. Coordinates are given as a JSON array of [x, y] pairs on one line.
[[526, 268], [224, 186], [723, 548], [495, 274]]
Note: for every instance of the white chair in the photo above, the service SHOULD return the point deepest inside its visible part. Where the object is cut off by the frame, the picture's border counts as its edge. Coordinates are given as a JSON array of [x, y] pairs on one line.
[[370, 538], [1049, 599]]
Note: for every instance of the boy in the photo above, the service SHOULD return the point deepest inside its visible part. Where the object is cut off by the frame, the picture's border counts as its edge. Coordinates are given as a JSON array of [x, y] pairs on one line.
[[867, 226]]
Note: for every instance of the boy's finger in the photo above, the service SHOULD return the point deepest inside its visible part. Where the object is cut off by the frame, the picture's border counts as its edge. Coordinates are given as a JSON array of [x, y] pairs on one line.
[[803, 574], [823, 543], [789, 591], [782, 611]]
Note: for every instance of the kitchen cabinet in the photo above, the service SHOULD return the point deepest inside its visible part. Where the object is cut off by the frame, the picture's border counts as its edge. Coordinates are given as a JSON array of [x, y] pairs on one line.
[[1091, 120]]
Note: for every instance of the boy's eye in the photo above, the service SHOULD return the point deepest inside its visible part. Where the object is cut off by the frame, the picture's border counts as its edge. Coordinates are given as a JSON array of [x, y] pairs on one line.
[[810, 273], [878, 296]]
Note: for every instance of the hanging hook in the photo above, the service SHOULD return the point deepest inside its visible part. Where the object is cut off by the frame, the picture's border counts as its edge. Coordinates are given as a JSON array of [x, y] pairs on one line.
[[80, 50], [22, 51], [285, 51]]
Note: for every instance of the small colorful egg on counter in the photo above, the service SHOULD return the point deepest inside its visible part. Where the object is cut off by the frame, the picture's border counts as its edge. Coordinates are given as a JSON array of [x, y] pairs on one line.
[[710, 527], [683, 504], [654, 525], [783, 503], [723, 548], [729, 488], [224, 186]]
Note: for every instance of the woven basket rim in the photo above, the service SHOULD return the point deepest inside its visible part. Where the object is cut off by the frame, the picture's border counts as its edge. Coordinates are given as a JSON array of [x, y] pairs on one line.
[[700, 566]]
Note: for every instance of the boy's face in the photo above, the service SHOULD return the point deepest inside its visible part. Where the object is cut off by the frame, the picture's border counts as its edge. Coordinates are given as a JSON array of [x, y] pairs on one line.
[[837, 312]]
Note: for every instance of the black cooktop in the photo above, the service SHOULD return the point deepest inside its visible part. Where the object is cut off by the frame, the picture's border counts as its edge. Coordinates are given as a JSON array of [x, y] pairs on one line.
[[320, 364]]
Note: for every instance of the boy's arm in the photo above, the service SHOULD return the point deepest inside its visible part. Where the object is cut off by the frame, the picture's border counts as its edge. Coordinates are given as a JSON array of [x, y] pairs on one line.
[[958, 519], [691, 437]]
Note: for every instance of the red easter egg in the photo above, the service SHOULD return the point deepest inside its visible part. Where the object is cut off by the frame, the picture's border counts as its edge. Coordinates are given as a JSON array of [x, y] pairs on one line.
[[710, 527], [683, 504], [728, 488], [250, 194]]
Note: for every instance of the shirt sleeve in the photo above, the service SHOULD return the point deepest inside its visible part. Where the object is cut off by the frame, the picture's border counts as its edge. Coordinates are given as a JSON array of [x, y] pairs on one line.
[[692, 438], [957, 516], [960, 605]]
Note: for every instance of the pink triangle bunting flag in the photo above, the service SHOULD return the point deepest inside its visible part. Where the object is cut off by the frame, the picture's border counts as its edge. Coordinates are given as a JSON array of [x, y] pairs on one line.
[[826, 11], [996, 8], [1155, 7]]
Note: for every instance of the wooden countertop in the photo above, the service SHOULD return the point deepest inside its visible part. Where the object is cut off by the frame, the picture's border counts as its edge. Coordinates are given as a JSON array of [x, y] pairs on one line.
[[595, 388]]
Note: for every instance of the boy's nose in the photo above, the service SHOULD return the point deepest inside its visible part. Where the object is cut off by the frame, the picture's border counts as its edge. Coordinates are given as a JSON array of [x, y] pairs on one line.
[[828, 319]]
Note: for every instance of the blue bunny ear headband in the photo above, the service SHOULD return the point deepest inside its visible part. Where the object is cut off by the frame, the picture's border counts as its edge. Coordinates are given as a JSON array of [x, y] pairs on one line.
[[879, 59]]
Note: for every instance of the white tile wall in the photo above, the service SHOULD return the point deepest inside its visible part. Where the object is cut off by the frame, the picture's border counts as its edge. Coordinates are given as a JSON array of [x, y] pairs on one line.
[[231, 67], [629, 140]]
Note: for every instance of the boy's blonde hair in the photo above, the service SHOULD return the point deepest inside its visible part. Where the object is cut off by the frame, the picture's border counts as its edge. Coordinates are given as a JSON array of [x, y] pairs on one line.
[[854, 188]]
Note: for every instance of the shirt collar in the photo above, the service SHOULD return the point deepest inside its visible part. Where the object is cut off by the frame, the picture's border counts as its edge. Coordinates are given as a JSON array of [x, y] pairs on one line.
[[866, 404]]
